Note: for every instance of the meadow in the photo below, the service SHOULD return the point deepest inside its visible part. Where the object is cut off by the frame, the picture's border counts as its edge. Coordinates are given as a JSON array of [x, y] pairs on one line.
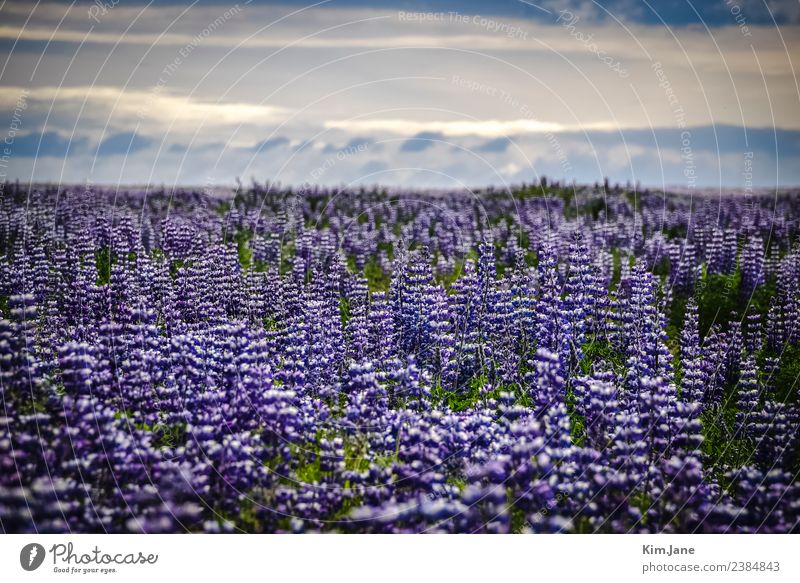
[[547, 359]]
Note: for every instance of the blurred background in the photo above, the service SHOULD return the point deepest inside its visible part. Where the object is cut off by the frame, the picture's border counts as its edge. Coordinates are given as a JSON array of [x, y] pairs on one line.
[[446, 94]]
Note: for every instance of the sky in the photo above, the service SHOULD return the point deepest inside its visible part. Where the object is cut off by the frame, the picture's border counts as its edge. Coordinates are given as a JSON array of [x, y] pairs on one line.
[[443, 94]]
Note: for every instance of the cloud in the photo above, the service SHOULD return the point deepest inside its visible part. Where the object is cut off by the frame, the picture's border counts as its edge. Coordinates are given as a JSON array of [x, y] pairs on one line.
[[271, 143], [589, 158], [712, 13], [725, 139], [47, 144], [347, 74], [359, 142], [198, 147], [352, 145], [373, 167], [124, 143], [780, 10], [497, 145], [488, 128], [421, 142], [139, 106]]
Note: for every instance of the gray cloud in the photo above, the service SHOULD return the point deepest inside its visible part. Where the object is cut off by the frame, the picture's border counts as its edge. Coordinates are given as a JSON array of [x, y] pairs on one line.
[[348, 75], [496, 146], [124, 143], [271, 143], [421, 142], [48, 144]]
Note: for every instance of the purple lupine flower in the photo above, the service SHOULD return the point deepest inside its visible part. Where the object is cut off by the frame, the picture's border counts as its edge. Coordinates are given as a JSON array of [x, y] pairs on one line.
[[694, 373], [177, 363]]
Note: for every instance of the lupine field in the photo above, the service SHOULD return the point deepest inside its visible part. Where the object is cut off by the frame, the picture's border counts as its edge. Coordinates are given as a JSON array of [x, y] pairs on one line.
[[546, 360]]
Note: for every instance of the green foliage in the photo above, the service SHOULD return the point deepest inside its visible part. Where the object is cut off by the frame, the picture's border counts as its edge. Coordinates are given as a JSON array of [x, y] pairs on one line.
[[787, 379], [577, 429], [616, 270], [387, 247], [310, 472], [468, 397], [595, 207], [518, 519], [718, 297], [242, 239], [457, 481], [377, 278], [449, 279], [643, 502], [103, 261], [169, 435], [674, 232], [662, 268], [358, 456], [344, 310], [761, 297], [721, 449], [599, 351], [287, 254], [175, 265], [675, 323]]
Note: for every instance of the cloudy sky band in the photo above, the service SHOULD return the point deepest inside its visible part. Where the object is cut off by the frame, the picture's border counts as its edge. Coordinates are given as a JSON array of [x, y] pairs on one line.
[[266, 72]]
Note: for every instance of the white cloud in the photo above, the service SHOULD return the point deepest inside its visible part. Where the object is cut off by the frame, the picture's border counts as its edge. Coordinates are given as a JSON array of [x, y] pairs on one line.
[[489, 128], [147, 107], [331, 74]]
